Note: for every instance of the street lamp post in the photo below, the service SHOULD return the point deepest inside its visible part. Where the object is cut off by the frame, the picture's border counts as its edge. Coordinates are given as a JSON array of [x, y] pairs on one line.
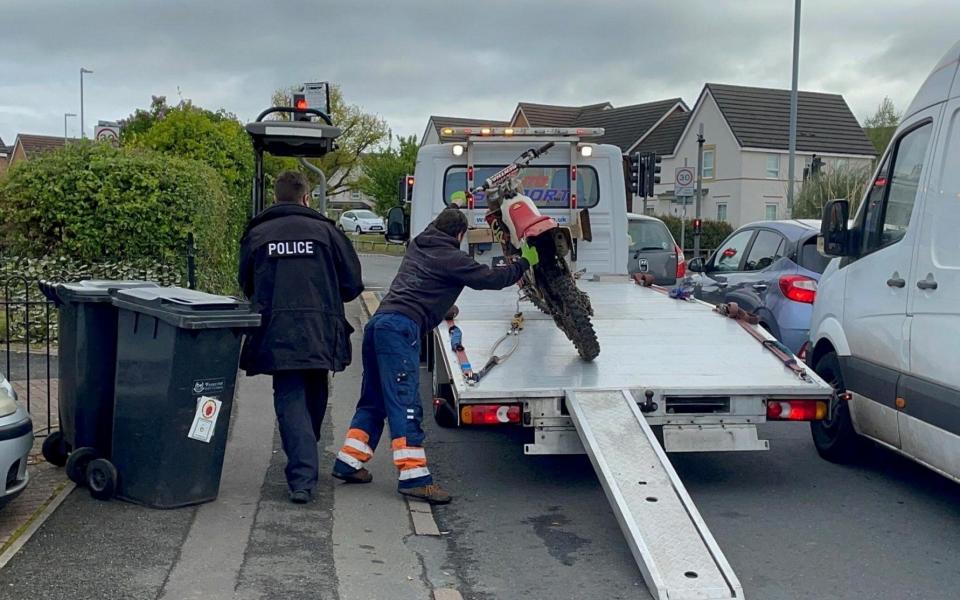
[[65, 115], [792, 143], [82, 71]]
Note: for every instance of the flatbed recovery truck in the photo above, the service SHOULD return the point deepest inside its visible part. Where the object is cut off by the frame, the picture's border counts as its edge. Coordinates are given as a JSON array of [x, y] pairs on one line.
[[704, 380]]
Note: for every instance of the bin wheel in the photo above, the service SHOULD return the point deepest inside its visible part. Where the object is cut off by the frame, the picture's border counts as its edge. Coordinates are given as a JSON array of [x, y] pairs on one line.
[[54, 450], [77, 464], [101, 479]]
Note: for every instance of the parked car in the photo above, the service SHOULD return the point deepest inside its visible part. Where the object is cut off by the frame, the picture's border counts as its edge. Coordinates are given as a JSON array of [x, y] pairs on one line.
[[653, 250], [769, 268], [886, 325], [16, 441], [360, 221]]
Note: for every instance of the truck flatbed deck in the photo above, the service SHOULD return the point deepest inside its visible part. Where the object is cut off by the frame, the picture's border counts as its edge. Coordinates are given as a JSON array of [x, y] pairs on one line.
[[648, 341]]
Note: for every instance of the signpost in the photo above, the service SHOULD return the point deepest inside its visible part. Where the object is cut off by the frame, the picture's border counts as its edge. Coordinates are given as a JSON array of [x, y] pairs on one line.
[[107, 131], [683, 185], [318, 96]]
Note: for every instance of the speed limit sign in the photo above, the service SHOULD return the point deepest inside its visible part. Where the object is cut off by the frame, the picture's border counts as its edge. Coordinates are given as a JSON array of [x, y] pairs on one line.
[[683, 182]]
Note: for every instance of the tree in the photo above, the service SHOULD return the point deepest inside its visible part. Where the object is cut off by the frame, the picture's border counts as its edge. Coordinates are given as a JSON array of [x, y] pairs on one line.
[[382, 171], [881, 126], [361, 132], [843, 182]]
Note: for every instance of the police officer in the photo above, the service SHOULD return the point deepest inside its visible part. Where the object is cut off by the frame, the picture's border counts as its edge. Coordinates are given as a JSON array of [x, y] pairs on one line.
[[431, 276], [298, 271]]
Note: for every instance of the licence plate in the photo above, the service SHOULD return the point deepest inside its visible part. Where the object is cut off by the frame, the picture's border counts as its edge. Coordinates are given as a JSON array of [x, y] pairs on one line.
[[376, 228]]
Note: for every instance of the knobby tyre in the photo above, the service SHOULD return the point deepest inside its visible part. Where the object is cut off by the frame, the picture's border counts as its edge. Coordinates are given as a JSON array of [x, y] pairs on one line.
[[573, 316]]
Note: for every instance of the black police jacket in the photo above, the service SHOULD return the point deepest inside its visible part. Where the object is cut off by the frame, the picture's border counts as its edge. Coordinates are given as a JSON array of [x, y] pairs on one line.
[[433, 273], [298, 271]]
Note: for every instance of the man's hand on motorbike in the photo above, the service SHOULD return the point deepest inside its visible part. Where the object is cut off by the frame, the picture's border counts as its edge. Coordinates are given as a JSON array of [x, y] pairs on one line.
[[530, 253]]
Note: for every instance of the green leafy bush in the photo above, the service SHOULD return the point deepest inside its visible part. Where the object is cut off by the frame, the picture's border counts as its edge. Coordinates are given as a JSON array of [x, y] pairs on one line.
[[714, 232], [847, 182], [95, 204]]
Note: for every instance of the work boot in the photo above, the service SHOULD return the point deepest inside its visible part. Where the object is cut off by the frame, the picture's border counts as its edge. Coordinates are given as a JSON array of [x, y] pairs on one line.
[[358, 476], [432, 493], [300, 496]]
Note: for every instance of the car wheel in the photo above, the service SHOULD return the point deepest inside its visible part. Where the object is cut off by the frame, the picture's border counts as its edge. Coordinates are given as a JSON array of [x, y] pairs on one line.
[[54, 449], [340, 227], [835, 439], [359, 231], [77, 464], [102, 479]]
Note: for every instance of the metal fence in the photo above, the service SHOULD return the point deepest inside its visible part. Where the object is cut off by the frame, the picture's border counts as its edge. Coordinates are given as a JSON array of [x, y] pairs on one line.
[[29, 324]]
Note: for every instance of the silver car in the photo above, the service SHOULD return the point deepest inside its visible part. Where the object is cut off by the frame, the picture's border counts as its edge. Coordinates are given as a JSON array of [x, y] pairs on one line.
[[16, 441], [653, 250], [360, 221]]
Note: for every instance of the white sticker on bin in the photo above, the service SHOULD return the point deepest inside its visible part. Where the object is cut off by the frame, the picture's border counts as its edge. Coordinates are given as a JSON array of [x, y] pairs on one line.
[[205, 421]]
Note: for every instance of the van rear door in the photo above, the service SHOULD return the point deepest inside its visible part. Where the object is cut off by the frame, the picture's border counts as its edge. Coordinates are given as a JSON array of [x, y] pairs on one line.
[[930, 419]]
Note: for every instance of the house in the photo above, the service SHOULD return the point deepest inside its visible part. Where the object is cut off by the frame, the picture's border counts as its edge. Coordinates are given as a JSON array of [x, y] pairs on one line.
[[27, 146], [4, 156], [624, 127], [434, 124], [745, 162]]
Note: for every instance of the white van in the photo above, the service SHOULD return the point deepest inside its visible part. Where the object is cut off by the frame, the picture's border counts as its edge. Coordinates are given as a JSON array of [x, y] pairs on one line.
[[886, 323]]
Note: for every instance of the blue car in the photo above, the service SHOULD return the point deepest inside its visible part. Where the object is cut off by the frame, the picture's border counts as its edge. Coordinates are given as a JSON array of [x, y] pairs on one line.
[[770, 268]]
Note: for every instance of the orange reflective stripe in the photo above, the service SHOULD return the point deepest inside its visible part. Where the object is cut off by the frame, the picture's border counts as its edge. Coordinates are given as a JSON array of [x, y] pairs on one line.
[[400, 442], [359, 434], [357, 454], [410, 463]]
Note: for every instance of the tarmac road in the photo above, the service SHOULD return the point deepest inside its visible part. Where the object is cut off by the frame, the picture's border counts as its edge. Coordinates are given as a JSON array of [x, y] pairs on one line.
[[792, 525]]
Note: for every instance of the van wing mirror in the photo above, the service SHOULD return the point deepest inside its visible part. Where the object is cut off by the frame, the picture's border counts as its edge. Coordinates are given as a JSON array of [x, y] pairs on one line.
[[398, 226], [835, 238], [695, 265]]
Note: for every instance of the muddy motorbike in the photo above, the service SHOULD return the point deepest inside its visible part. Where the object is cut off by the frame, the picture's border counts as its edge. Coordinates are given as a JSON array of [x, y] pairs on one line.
[[549, 285]]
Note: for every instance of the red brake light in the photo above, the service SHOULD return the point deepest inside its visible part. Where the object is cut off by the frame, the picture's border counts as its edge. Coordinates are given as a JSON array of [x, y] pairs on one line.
[[573, 172], [681, 264], [799, 288], [490, 414], [796, 410], [301, 104]]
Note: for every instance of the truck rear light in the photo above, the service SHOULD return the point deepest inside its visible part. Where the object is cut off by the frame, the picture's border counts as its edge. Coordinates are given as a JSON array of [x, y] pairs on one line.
[[681, 264], [799, 288], [489, 414], [796, 410]]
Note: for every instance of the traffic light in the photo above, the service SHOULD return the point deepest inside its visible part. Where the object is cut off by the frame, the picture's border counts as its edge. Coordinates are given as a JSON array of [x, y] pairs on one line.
[[300, 103], [409, 189], [697, 226], [652, 176], [635, 173]]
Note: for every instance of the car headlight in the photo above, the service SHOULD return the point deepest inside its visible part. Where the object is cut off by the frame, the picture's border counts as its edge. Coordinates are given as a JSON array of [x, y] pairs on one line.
[[8, 399]]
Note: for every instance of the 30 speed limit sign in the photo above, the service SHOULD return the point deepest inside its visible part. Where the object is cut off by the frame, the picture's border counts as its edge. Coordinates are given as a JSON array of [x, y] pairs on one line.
[[683, 181]]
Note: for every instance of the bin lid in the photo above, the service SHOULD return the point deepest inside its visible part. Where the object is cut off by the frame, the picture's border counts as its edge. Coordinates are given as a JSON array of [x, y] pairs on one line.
[[96, 290], [187, 309]]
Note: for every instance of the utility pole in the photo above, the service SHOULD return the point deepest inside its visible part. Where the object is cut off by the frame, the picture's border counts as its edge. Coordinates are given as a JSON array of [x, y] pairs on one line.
[[700, 140], [83, 134], [791, 168], [65, 115]]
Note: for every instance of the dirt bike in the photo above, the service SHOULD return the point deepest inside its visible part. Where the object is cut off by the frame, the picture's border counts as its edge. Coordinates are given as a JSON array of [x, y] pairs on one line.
[[550, 285]]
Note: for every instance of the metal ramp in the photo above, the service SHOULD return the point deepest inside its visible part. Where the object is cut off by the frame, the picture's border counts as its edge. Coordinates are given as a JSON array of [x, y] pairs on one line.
[[676, 552]]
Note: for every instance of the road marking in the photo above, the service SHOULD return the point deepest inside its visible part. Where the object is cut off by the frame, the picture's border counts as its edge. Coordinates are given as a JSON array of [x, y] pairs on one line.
[[26, 531], [370, 302]]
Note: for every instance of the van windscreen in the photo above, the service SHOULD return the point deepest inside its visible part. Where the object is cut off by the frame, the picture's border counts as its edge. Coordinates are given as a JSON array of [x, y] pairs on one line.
[[548, 187]]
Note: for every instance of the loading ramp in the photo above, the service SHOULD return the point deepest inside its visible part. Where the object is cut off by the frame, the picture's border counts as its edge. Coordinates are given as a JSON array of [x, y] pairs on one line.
[[675, 550]]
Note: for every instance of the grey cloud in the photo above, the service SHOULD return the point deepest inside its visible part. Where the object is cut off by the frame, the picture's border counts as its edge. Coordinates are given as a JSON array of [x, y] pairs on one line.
[[408, 59]]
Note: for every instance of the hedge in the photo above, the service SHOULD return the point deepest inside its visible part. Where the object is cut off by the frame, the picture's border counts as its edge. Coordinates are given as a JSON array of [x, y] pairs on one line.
[[97, 204], [714, 232]]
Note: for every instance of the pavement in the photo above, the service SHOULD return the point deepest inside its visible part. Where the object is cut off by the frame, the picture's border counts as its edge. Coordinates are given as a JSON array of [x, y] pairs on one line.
[[792, 525]]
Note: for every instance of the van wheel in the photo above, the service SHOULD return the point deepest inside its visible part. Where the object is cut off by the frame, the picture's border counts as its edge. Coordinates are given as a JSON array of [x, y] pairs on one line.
[[835, 439], [444, 409]]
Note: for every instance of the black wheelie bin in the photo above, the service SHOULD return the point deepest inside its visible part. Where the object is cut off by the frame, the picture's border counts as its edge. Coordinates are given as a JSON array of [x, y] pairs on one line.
[[177, 356], [88, 349]]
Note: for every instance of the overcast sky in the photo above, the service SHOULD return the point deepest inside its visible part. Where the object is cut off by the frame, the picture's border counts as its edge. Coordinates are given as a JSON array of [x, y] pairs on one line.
[[408, 59]]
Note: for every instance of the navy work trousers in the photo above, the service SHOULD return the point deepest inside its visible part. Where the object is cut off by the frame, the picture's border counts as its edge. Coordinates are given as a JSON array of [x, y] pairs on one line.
[[300, 399], [390, 391]]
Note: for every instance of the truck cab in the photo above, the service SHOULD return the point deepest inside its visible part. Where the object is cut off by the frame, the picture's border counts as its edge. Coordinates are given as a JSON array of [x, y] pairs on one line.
[[886, 322]]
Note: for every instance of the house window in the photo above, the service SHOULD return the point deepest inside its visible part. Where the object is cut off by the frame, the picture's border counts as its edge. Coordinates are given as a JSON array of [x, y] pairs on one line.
[[722, 212], [650, 211], [771, 214], [354, 195], [773, 166], [709, 159]]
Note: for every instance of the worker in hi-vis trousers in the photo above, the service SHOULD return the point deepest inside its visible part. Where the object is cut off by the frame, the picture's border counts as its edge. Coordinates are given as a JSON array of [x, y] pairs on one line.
[[433, 273]]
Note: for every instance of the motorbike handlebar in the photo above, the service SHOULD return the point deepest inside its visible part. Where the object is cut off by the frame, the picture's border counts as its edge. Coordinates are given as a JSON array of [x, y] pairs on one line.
[[524, 159]]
